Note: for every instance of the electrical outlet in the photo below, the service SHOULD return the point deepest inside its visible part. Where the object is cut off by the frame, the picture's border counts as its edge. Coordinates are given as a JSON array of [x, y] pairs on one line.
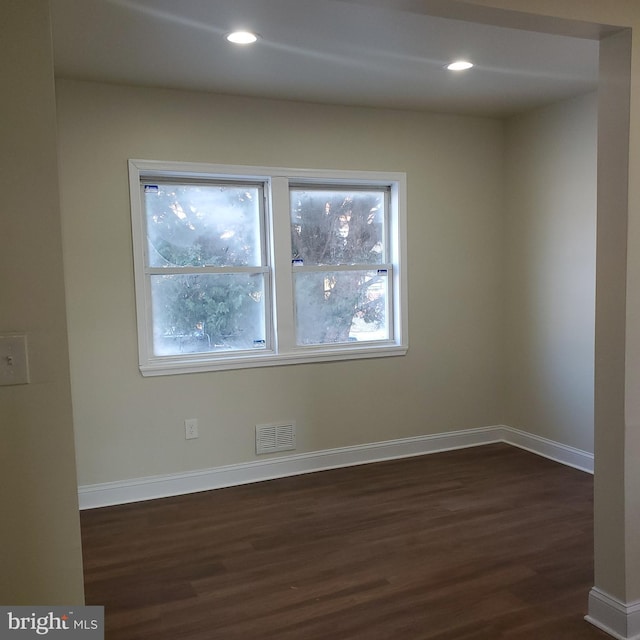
[[190, 428]]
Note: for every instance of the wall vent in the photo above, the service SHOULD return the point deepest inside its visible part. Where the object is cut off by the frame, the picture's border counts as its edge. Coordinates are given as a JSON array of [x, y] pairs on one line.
[[275, 437]]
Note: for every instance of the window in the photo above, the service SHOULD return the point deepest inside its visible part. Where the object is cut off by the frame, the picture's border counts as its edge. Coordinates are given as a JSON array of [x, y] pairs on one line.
[[340, 262], [253, 266], [206, 266]]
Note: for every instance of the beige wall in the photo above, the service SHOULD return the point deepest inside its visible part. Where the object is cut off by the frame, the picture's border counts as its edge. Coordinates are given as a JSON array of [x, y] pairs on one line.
[[550, 252], [617, 371], [129, 426], [40, 556]]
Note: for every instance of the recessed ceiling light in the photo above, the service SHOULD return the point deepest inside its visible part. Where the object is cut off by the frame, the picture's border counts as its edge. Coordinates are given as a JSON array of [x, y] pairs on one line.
[[459, 65], [242, 37]]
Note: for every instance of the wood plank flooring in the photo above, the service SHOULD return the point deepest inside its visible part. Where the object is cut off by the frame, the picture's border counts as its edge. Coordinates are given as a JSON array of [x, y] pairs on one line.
[[486, 543]]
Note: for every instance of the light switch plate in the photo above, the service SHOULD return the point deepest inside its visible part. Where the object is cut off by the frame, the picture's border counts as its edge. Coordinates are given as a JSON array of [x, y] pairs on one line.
[[14, 367]]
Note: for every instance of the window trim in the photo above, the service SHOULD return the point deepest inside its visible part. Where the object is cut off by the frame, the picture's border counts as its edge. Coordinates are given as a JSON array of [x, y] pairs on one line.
[[280, 314]]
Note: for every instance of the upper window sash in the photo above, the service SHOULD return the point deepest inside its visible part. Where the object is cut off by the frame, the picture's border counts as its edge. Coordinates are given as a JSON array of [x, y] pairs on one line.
[[188, 210]]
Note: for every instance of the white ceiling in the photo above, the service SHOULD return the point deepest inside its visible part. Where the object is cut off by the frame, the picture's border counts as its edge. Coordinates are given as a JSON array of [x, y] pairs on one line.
[[331, 51]]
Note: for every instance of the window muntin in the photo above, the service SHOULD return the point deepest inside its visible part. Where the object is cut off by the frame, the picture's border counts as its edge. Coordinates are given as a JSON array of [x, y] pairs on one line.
[[266, 325]]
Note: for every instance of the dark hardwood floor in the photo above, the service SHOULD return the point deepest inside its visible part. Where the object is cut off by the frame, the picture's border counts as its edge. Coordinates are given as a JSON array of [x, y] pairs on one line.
[[485, 543]]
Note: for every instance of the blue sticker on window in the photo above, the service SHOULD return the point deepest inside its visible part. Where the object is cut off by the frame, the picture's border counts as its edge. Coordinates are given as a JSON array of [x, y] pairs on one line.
[[257, 344], [297, 263], [151, 188], [382, 272]]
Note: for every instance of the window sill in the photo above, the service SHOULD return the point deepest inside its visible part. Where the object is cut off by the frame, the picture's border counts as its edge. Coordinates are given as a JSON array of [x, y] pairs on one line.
[[198, 364]]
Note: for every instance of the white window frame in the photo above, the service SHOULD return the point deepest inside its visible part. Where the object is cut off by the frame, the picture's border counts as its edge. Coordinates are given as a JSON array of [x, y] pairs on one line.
[[280, 320]]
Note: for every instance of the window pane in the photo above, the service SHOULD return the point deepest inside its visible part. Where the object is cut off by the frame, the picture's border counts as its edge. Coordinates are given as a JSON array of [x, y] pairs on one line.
[[338, 227], [341, 306], [208, 312], [201, 225]]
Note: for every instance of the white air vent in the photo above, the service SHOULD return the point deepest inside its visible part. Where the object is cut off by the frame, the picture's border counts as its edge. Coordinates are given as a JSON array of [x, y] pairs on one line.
[[275, 437]]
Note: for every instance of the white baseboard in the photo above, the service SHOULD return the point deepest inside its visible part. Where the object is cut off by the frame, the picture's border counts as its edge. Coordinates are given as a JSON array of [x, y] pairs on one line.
[[121, 492], [151, 487], [620, 620], [569, 456]]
